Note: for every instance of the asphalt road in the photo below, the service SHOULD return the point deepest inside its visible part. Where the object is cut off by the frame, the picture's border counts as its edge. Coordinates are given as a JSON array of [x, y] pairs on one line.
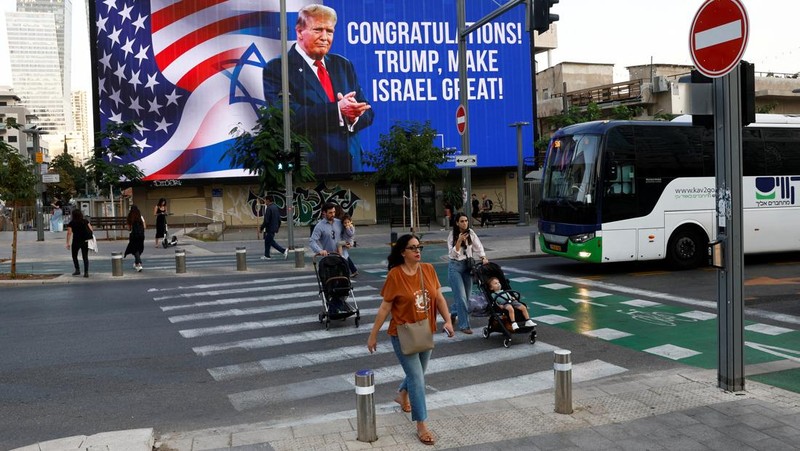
[[189, 353]]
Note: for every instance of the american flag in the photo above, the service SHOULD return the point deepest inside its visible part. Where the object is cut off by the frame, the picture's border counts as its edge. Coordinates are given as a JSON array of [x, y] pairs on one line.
[[188, 72]]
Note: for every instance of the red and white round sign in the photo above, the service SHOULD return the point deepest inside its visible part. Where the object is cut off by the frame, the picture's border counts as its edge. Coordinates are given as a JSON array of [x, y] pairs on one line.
[[461, 119], [718, 36]]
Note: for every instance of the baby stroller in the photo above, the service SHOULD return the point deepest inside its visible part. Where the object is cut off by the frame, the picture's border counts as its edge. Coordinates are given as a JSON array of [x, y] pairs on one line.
[[333, 277], [498, 317], [168, 240]]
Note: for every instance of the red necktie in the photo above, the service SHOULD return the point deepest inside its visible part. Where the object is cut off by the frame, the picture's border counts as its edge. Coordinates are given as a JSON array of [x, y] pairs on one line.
[[325, 79]]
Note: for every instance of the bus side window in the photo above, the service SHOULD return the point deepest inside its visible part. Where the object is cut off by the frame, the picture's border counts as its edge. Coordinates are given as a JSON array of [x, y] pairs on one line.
[[620, 178], [627, 179]]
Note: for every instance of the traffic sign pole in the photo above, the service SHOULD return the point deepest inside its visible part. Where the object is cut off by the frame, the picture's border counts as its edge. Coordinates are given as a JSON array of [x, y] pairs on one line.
[[466, 175], [717, 40], [728, 165]]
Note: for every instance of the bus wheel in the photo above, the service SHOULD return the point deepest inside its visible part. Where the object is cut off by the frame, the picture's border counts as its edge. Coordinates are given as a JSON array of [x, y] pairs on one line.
[[687, 249]]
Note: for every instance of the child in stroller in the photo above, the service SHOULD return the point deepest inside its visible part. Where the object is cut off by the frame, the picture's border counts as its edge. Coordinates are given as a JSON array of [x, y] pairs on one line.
[[501, 302], [509, 301]]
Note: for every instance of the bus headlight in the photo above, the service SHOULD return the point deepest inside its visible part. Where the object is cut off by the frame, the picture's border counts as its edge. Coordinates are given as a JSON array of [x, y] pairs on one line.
[[582, 238]]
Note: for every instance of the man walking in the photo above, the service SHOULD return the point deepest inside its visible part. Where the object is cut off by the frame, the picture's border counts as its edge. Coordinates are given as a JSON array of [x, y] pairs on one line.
[[327, 233], [271, 225], [486, 208]]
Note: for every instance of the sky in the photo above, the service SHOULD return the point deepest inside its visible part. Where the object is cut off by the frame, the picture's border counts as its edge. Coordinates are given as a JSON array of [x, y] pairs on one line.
[[631, 32], [620, 32]]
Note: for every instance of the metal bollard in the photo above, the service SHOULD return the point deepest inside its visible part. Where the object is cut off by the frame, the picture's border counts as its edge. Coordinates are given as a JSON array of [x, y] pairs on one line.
[[241, 259], [562, 371], [180, 261], [365, 406], [116, 263], [300, 257], [533, 241]]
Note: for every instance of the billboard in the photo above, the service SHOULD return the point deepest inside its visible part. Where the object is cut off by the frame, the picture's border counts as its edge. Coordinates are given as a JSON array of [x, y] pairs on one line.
[[189, 72]]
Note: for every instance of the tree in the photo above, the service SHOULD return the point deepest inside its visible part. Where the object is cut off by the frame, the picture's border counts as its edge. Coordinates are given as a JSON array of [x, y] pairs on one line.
[[72, 177], [259, 151], [17, 189], [407, 155], [104, 167]]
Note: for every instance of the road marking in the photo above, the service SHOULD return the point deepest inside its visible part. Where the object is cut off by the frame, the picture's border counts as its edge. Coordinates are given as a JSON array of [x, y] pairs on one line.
[[672, 352], [766, 329], [235, 291], [551, 307], [640, 303], [269, 297], [789, 354], [750, 312], [607, 334], [394, 373], [252, 311], [553, 319], [264, 366], [584, 301], [255, 325], [230, 284], [490, 391]]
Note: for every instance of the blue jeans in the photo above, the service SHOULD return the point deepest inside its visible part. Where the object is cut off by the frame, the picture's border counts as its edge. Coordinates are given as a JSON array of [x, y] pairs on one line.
[[414, 366], [269, 241], [460, 280]]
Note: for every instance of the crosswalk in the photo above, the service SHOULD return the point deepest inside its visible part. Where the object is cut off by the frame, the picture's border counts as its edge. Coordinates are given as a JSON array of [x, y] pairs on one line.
[[258, 331]]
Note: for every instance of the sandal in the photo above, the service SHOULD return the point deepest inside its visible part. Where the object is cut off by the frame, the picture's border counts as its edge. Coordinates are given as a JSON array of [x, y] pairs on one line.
[[405, 406], [426, 437]]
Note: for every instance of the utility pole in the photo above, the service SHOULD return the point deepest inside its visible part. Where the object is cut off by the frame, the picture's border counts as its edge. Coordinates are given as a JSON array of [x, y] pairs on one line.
[[37, 160], [520, 175], [287, 134]]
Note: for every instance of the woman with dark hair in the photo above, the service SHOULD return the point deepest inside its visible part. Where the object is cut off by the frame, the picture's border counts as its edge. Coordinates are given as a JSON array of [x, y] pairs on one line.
[[78, 232], [160, 211], [463, 245], [136, 238], [410, 294]]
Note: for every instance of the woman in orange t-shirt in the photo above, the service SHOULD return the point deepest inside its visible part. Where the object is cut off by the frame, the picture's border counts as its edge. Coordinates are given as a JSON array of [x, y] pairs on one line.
[[406, 296]]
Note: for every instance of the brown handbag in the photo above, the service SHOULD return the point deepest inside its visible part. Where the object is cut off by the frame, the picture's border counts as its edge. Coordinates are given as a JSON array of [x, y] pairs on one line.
[[416, 337]]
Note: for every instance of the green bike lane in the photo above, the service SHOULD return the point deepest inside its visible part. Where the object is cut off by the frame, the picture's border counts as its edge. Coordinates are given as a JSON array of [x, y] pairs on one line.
[[680, 333]]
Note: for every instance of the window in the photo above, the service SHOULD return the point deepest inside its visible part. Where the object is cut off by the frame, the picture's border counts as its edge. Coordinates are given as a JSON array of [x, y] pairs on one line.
[[12, 139]]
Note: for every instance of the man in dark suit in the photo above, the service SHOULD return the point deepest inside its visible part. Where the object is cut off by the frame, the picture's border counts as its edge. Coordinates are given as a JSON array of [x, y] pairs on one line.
[[270, 226], [327, 102]]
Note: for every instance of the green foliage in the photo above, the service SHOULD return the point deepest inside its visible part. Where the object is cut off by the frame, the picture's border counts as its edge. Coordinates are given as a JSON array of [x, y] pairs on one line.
[[407, 153], [767, 108], [259, 151], [574, 115], [452, 195], [17, 181], [118, 142], [625, 113], [72, 177]]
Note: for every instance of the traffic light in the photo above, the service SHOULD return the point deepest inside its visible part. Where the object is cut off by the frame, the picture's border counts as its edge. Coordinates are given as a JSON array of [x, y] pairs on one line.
[[284, 162], [541, 15], [299, 155]]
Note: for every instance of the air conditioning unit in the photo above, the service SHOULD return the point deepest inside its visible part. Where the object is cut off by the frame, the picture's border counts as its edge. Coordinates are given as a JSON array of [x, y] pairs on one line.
[[660, 84]]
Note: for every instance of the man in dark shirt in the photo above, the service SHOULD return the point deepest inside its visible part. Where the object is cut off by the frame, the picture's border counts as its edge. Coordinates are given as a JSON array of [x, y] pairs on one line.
[[270, 226]]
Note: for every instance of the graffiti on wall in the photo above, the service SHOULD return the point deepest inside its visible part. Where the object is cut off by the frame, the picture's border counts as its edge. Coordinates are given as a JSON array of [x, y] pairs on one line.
[[308, 202]]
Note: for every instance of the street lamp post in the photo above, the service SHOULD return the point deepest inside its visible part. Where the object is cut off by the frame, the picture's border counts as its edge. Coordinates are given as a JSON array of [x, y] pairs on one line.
[[520, 175], [35, 133]]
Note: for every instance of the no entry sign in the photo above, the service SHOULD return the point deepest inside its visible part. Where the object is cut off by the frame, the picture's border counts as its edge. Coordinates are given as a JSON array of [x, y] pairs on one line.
[[461, 119], [718, 36]]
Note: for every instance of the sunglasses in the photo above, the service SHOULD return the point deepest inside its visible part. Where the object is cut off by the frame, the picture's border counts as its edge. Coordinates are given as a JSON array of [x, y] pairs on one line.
[[415, 248]]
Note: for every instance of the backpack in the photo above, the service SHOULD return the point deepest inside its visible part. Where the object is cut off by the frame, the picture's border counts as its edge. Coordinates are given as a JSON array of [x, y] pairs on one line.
[[488, 204], [137, 229]]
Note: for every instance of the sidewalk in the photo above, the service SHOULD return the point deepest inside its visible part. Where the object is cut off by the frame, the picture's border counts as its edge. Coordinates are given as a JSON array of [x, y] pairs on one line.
[[645, 410]]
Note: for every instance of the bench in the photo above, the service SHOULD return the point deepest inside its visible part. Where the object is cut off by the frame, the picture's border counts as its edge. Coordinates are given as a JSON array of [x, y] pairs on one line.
[[501, 217], [109, 223], [423, 221]]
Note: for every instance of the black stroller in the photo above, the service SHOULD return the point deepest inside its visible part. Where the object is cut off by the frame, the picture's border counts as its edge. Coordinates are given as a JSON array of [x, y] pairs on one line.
[[498, 317], [169, 239], [335, 289]]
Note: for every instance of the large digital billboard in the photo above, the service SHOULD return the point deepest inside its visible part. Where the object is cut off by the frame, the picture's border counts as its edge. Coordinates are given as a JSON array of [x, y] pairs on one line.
[[191, 71]]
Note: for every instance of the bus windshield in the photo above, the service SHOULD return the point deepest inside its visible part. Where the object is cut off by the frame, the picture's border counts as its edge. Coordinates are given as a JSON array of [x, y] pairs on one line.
[[571, 171]]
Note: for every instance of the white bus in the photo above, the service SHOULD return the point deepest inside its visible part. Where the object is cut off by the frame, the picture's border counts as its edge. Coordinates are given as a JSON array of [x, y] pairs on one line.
[[627, 190]]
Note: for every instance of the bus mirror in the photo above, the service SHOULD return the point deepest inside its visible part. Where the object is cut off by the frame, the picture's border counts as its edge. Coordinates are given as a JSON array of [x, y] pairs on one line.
[[716, 257]]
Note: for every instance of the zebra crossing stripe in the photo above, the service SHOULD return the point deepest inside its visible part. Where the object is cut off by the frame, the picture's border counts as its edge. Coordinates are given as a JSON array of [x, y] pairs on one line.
[[230, 284], [235, 291], [267, 297], [267, 342], [265, 366], [254, 325], [512, 387], [344, 382], [253, 310]]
